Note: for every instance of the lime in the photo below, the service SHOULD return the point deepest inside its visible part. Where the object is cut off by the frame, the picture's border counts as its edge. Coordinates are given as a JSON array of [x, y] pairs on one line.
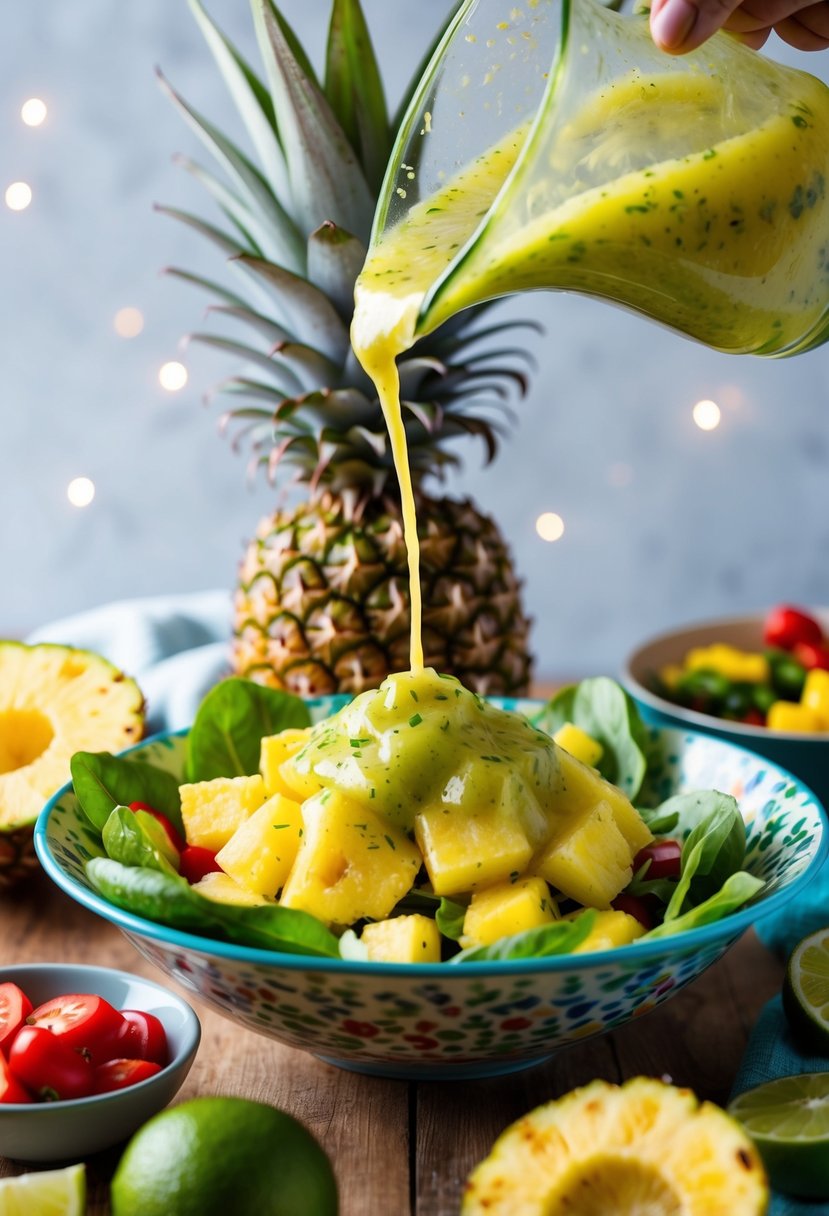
[[216, 1156], [806, 991], [49, 1193], [788, 1120]]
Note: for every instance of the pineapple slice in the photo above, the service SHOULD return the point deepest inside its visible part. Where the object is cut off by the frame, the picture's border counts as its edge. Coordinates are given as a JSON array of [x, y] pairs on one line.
[[211, 811], [507, 908], [610, 929], [54, 701], [225, 890], [403, 939], [261, 851], [588, 858], [643, 1147], [274, 751], [350, 864]]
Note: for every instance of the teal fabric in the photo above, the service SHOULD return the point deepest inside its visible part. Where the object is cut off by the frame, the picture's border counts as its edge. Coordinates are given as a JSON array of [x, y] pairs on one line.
[[771, 1052]]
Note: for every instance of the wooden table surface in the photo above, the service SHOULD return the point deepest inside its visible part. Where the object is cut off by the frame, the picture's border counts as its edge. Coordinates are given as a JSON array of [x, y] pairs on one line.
[[399, 1148]]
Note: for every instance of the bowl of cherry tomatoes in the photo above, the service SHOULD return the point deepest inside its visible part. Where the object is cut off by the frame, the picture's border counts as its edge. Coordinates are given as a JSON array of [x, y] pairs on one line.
[[87, 1054], [761, 681]]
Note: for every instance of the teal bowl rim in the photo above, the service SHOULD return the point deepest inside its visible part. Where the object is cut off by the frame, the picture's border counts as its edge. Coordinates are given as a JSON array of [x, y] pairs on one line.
[[722, 931], [183, 1057]]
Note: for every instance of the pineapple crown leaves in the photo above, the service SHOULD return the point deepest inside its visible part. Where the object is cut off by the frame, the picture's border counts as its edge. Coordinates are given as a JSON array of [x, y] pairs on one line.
[[297, 224]]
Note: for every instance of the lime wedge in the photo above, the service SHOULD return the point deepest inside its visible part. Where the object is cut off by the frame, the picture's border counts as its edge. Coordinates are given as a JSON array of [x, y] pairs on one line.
[[49, 1193], [806, 991], [788, 1120]]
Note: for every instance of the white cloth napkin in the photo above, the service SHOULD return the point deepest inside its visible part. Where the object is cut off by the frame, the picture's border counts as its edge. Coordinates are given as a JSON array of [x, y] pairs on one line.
[[175, 646]]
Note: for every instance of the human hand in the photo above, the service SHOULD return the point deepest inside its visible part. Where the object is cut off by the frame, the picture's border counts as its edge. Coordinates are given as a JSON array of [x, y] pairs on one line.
[[681, 25]]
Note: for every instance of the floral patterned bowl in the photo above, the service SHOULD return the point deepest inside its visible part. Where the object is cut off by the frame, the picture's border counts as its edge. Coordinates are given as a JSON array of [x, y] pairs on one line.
[[437, 1021]]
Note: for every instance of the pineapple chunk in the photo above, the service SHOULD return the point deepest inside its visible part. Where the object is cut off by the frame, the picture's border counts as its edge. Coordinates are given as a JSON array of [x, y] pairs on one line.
[[610, 929], [582, 789], [211, 811], [645, 1146], [403, 939], [588, 858], [261, 851], [350, 863], [464, 850], [225, 890], [579, 744], [274, 751], [507, 908]]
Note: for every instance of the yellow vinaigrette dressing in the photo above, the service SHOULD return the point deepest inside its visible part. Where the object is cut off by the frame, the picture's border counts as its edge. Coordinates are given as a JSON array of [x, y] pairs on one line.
[[729, 244]]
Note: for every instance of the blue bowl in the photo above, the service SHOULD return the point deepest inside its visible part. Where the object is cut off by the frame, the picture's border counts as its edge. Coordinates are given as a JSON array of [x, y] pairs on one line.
[[438, 1021], [806, 755]]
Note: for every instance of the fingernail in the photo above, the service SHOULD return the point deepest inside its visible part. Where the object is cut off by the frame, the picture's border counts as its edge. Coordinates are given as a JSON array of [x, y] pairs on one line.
[[672, 24]]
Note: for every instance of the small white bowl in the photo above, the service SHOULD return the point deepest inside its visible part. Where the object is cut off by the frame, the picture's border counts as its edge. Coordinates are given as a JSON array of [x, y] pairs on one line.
[[61, 1131]]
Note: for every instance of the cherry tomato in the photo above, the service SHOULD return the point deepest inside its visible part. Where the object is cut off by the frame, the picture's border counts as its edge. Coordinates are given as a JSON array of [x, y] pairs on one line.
[[196, 862], [664, 857], [10, 1088], [143, 1037], [785, 626], [81, 1021], [118, 1074], [175, 837], [812, 655], [754, 717], [50, 1069], [634, 906], [15, 1007]]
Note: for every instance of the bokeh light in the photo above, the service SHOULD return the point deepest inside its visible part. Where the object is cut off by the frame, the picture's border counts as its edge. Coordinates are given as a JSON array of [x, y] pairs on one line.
[[80, 491], [128, 322], [172, 376], [550, 526], [33, 112], [706, 415], [18, 196]]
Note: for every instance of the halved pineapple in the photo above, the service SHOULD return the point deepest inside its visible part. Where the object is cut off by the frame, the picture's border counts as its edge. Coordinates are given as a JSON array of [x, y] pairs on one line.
[[54, 701], [645, 1148]]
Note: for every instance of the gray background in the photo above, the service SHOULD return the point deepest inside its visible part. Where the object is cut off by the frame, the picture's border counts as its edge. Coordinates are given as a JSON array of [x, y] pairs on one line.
[[664, 523]]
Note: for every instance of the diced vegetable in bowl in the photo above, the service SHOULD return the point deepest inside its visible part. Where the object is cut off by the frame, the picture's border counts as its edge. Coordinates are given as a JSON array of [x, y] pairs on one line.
[[421, 882]]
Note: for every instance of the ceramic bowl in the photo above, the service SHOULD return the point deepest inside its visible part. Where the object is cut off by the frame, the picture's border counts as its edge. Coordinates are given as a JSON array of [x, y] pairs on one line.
[[438, 1021], [63, 1131], [807, 755]]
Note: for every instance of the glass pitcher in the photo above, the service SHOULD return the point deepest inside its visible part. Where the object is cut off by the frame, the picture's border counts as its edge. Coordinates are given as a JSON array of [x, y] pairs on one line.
[[552, 145]]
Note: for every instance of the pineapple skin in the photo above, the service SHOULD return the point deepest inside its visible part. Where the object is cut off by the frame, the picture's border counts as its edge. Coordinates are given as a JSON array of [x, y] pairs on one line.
[[322, 603], [645, 1148]]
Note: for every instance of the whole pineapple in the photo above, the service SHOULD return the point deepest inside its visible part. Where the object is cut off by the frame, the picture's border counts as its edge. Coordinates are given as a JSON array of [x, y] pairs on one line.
[[322, 603]]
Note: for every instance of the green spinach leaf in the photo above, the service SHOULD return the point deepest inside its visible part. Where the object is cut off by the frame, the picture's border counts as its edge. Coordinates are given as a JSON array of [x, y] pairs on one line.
[[168, 899], [737, 890], [231, 723], [713, 848], [137, 839], [103, 782]]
